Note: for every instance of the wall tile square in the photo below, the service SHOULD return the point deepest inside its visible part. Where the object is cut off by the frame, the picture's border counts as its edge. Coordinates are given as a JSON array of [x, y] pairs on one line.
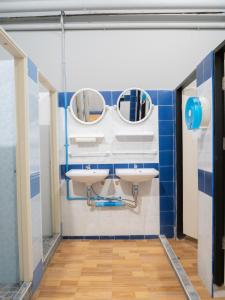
[[165, 98], [32, 70], [168, 231], [121, 166], [61, 98], [114, 96], [91, 237], [166, 173], [201, 180], [166, 158], [166, 127], [137, 237], [166, 203], [151, 237], [200, 74], [208, 183], [107, 237], [139, 165], [208, 66], [165, 113], [122, 237], [166, 143], [166, 218], [107, 96], [92, 166], [151, 165], [154, 96], [166, 188]]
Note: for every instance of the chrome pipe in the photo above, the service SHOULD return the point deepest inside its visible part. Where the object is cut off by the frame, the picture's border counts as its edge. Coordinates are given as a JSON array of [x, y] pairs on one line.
[[116, 26], [68, 5]]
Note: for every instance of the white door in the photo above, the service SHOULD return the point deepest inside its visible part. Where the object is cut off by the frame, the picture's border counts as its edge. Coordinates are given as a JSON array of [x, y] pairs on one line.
[[190, 174]]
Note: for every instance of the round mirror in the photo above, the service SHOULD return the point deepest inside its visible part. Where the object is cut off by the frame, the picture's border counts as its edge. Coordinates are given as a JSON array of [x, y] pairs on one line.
[[134, 105], [87, 106]]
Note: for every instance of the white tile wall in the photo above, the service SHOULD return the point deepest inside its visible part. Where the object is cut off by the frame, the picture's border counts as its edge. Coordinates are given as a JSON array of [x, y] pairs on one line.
[[205, 159], [205, 240], [205, 156], [109, 126], [79, 219]]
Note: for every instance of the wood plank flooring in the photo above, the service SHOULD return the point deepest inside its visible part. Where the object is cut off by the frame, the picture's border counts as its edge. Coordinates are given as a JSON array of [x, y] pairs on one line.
[[115, 270]]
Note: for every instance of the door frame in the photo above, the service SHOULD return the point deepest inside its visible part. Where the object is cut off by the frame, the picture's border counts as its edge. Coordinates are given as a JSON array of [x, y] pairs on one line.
[[22, 157], [54, 170], [219, 168], [179, 153]]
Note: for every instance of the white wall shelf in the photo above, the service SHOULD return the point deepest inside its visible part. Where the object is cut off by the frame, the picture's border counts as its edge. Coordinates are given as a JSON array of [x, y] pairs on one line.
[[142, 135], [89, 138]]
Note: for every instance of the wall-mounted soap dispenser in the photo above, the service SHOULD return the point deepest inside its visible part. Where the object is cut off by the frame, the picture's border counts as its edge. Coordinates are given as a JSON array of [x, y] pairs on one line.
[[197, 113]]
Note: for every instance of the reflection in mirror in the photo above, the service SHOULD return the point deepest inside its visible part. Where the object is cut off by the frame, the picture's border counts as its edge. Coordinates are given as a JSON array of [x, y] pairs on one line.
[[134, 105], [87, 106]]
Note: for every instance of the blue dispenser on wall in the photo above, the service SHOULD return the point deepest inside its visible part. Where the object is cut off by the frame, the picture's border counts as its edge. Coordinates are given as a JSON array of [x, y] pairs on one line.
[[197, 113]]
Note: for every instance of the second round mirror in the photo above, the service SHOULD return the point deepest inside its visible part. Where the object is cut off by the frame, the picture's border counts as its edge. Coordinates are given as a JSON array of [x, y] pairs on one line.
[[134, 105]]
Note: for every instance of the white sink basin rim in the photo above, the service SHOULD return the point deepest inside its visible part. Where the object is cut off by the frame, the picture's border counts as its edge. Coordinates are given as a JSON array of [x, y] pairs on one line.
[[137, 175], [88, 177]]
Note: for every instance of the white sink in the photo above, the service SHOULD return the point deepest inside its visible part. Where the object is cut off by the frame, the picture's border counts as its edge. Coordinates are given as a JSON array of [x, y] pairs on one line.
[[137, 175], [88, 177]]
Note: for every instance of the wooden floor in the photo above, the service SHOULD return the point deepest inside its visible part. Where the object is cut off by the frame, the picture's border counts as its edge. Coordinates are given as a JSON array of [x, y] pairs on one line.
[[118, 270]]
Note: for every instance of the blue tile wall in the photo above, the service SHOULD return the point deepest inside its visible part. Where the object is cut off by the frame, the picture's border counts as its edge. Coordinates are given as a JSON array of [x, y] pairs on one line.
[[61, 98], [165, 98], [154, 96], [32, 70], [166, 127], [114, 97], [37, 274], [166, 157], [111, 237], [107, 96], [166, 110], [166, 113], [111, 97], [204, 70], [166, 142], [205, 182], [34, 184]]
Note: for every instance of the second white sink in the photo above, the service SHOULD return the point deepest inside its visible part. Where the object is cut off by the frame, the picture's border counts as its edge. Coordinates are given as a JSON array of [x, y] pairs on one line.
[[137, 175], [88, 177]]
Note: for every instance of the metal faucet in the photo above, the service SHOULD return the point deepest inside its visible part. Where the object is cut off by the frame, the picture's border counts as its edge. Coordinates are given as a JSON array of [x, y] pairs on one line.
[[88, 167]]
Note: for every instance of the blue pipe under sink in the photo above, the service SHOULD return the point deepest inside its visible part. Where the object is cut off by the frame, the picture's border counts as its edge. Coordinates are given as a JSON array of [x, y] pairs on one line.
[[109, 203]]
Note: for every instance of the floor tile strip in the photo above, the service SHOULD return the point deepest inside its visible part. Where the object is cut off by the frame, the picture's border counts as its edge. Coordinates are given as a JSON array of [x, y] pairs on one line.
[[24, 292]]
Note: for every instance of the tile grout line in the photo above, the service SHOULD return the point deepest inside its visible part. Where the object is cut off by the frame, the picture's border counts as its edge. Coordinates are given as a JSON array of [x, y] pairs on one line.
[[179, 270]]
